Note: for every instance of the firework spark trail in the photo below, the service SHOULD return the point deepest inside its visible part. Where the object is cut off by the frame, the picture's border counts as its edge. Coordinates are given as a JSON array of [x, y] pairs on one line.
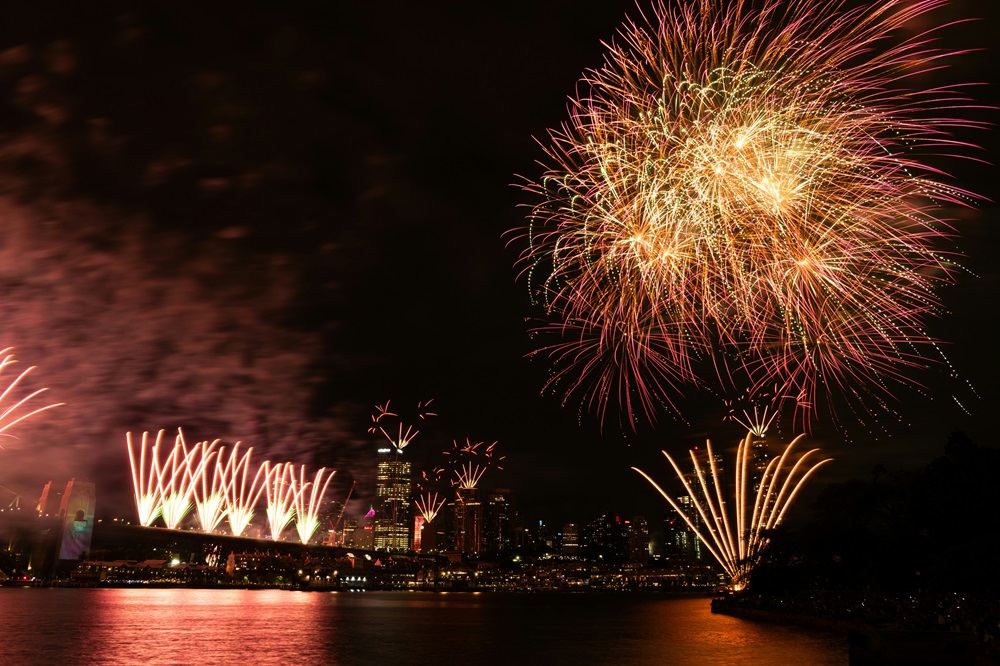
[[209, 487], [176, 482], [467, 456], [282, 491], [10, 417], [307, 511], [736, 541], [400, 440], [428, 504], [241, 496], [468, 475], [747, 187], [145, 477]]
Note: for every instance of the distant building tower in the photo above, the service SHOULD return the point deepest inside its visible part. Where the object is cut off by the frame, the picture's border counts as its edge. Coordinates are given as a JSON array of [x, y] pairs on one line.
[[681, 540], [637, 531], [418, 533], [570, 539], [498, 521], [364, 532], [48, 503], [606, 539], [760, 456], [468, 521], [392, 502], [77, 513]]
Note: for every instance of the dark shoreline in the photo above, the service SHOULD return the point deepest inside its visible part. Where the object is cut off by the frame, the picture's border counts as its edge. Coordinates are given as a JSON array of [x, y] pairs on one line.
[[882, 643]]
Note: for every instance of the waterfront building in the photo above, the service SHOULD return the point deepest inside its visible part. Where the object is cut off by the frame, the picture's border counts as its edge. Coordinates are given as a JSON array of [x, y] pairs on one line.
[[637, 533], [606, 539], [498, 521], [679, 539], [393, 502], [570, 539], [468, 512]]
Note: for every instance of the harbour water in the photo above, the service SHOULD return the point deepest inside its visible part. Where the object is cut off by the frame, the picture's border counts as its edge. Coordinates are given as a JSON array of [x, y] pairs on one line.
[[249, 627]]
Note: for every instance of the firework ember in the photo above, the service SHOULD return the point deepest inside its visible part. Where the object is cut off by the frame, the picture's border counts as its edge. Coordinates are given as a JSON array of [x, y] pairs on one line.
[[749, 186]]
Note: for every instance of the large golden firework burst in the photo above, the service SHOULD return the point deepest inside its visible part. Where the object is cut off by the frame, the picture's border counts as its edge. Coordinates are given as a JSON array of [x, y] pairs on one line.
[[748, 185]]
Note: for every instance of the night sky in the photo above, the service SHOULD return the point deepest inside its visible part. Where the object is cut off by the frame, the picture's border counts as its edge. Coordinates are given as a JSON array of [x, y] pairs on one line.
[[258, 222]]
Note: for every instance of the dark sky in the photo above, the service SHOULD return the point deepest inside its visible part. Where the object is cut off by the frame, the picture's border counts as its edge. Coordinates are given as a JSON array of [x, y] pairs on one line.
[[257, 222]]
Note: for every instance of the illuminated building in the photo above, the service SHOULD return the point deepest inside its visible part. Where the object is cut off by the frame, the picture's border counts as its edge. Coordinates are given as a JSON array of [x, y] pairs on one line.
[[606, 539], [637, 533], [680, 540], [498, 521], [48, 503], [570, 539], [392, 502], [418, 533], [76, 510], [468, 521]]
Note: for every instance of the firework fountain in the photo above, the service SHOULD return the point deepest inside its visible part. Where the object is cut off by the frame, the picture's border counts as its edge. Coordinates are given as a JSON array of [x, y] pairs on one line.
[[145, 477], [307, 509], [176, 481], [745, 187], [240, 495], [282, 492], [220, 487], [736, 541], [209, 487]]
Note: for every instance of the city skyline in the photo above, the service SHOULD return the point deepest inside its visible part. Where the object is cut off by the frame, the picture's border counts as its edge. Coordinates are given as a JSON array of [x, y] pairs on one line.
[[263, 257]]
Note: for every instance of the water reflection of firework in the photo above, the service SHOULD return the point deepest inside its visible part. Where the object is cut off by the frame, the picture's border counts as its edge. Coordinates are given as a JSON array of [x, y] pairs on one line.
[[745, 183], [736, 541]]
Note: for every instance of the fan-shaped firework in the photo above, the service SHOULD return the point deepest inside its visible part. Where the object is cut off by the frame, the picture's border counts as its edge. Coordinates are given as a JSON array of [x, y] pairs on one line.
[[307, 506], [11, 415], [750, 188], [282, 492], [242, 493], [145, 477], [471, 460], [209, 487], [386, 422], [736, 541]]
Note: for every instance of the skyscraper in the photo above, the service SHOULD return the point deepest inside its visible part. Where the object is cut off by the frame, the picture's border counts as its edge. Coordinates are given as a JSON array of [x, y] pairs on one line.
[[468, 521], [393, 499], [637, 531], [498, 521], [570, 539], [680, 540]]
